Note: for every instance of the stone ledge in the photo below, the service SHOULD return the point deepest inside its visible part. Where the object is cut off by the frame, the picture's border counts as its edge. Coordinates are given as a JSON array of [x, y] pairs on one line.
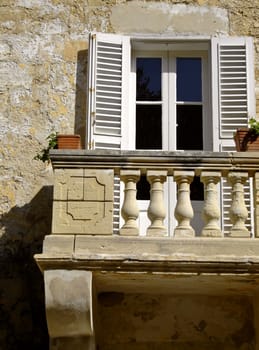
[[62, 245], [151, 254], [117, 159], [166, 249]]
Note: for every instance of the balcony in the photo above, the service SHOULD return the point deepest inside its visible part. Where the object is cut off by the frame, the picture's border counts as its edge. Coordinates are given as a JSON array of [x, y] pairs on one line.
[[91, 245]]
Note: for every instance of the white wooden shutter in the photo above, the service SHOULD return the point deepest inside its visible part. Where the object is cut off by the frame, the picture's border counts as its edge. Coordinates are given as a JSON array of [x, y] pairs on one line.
[[233, 91], [233, 104], [108, 77]]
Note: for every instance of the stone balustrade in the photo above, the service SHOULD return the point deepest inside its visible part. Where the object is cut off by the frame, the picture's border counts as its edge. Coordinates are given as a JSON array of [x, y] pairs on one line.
[[86, 252], [84, 188]]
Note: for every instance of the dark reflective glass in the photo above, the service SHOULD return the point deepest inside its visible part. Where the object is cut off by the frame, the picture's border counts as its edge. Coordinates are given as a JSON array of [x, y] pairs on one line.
[[189, 127], [148, 79], [189, 86], [148, 127], [197, 189], [143, 189]]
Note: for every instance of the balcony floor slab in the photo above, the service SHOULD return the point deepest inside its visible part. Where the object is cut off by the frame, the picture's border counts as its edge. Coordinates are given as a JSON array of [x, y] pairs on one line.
[[152, 254]]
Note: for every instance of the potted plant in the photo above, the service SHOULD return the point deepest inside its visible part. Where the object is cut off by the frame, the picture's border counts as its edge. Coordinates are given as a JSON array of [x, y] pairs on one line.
[[247, 139], [58, 141], [68, 141]]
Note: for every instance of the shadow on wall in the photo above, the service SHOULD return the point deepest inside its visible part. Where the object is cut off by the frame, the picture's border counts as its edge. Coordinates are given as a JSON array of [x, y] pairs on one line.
[[22, 312], [22, 231], [81, 95]]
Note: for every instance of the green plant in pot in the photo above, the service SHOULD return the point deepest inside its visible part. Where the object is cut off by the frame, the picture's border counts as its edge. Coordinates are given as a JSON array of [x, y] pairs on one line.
[[43, 155], [60, 141], [247, 139]]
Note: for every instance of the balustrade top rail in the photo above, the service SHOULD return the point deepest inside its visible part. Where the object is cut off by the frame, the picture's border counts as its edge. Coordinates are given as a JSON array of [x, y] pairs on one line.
[[146, 159]]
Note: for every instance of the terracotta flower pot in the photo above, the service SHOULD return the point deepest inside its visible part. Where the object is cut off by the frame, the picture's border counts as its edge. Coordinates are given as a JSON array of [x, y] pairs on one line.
[[246, 140], [69, 141]]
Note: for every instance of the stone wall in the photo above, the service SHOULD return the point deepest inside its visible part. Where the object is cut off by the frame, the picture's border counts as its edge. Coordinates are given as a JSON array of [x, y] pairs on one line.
[[175, 323], [43, 63]]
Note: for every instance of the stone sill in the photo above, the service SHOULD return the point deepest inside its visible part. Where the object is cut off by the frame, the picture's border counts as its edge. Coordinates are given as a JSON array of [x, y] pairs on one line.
[[116, 159]]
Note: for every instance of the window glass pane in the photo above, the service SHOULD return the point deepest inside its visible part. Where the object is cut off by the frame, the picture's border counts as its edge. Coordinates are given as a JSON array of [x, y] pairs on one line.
[[197, 189], [189, 127], [143, 189], [149, 79], [148, 127], [189, 86]]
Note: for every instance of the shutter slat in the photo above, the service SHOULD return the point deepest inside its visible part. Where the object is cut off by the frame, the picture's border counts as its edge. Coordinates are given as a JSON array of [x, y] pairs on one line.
[[232, 61], [108, 110]]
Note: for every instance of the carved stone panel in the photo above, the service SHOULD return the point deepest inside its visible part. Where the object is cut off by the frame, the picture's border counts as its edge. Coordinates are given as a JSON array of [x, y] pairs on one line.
[[83, 201]]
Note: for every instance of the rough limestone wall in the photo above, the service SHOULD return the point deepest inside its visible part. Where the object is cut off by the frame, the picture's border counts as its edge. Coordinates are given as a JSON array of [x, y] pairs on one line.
[[176, 322], [43, 54]]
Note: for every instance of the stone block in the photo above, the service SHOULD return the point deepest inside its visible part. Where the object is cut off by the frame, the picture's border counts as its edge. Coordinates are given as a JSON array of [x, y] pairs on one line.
[[68, 296], [83, 202], [62, 182], [59, 245], [75, 343]]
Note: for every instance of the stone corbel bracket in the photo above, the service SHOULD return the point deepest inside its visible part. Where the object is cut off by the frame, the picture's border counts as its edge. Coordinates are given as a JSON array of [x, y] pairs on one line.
[[69, 306]]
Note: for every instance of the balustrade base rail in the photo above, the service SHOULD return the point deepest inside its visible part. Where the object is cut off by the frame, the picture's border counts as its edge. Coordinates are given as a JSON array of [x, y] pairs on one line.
[[150, 254]]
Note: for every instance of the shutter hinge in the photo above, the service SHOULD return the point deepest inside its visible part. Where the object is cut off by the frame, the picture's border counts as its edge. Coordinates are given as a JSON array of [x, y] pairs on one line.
[[93, 117], [91, 89], [91, 144]]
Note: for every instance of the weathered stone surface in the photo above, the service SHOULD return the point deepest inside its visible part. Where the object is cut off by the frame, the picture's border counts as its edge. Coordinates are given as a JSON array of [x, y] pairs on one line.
[[167, 18], [68, 297], [75, 343], [189, 322], [59, 245], [165, 249], [43, 64], [83, 202]]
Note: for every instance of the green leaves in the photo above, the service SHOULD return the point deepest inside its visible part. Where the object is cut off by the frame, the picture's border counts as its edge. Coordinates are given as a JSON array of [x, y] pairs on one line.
[[43, 155], [254, 126]]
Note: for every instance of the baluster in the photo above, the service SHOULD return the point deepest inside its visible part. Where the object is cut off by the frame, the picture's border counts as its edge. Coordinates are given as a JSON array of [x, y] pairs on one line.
[[183, 210], [156, 209], [238, 210], [211, 210], [129, 210]]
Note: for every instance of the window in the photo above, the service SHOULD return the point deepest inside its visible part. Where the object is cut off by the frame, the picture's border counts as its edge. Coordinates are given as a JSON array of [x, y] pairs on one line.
[[219, 99], [155, 93], [171, 94]]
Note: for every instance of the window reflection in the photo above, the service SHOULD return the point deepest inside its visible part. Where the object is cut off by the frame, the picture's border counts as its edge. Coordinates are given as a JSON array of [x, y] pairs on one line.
[[189, 127], [148, 79], [189, 87], [148, 127]]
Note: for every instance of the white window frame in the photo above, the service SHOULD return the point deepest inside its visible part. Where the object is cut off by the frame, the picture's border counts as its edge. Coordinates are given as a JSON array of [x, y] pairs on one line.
[[133, 102], [168, 53]]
